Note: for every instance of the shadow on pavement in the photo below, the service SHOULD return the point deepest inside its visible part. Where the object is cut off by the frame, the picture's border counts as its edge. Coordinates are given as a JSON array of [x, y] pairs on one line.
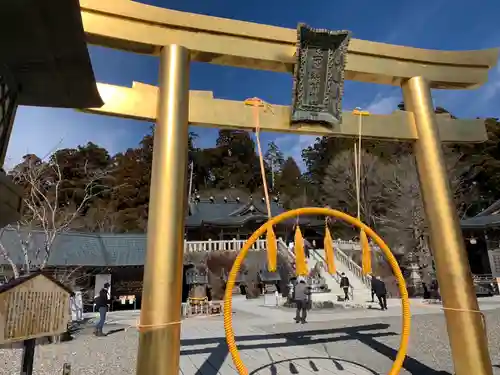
[[365, 334], [337, 362], [112, 331]]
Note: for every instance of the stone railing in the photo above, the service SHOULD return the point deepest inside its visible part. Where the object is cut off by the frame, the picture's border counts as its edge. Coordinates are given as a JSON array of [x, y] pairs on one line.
[[354, 245], [201, 307], [337, 276], [341, 256], [353, 267], [285, 250], [227, 245], [236, 245]]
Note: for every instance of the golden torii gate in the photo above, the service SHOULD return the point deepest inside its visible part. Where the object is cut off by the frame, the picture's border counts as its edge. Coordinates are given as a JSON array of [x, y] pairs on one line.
[[178, 38]]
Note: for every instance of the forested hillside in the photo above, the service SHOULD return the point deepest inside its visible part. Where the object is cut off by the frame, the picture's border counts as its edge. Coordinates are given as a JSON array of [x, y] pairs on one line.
[[87, 189]]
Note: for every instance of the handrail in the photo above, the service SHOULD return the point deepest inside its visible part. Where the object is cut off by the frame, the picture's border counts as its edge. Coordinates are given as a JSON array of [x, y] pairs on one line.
[[284, 248], [337, 275], [353, 267]]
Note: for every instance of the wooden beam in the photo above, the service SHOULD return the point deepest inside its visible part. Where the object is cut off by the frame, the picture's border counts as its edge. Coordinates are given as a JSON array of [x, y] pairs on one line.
[[142, 28], [139, 102]]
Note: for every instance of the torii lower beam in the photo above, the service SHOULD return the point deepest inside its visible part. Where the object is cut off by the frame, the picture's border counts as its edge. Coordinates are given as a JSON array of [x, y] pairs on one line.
[[140, 102]]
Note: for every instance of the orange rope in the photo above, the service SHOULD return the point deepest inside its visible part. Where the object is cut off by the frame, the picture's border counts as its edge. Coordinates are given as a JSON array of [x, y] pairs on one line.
[[272, 245], [257, 103]]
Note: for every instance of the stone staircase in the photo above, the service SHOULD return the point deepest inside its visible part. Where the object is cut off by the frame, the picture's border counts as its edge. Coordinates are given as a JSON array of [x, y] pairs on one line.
[[360, 291]]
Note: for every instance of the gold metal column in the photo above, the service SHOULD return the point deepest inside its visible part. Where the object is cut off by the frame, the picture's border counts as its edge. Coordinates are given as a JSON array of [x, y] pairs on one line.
[[159, 338], [466, 331]]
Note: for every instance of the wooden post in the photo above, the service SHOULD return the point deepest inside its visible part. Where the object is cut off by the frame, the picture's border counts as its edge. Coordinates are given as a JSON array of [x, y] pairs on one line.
[[28, 357]]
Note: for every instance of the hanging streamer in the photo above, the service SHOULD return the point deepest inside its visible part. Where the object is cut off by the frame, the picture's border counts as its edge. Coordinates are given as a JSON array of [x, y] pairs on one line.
[[330, 256], [272, 249], [300, 256], [366, 258], [271, 243], [366, 255]]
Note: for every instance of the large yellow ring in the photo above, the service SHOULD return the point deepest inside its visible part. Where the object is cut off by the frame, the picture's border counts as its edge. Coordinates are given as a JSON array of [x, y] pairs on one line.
[[405, 303]]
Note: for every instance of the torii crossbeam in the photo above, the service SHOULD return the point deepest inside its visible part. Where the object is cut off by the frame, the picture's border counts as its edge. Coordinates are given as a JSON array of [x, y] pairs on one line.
[[178, 38]]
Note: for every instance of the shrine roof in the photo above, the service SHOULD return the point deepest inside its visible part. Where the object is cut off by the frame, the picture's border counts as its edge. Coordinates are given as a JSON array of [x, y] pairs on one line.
[[79, 249], [94, 250], [44, 54], [481, 222], [488, 218], [237, 213]]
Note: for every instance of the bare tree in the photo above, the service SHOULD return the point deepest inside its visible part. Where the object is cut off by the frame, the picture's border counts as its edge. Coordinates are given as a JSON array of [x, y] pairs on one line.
[[51, 205], [339, 185], [102, 217], [403, 223]]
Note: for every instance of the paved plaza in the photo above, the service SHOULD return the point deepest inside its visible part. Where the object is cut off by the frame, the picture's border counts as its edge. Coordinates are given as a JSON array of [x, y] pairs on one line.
[[342, 342]]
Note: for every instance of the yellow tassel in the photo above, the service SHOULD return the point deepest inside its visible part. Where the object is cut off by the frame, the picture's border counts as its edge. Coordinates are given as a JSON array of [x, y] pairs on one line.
[[330, 257], [272, 249], [366, 255], [300, 256]]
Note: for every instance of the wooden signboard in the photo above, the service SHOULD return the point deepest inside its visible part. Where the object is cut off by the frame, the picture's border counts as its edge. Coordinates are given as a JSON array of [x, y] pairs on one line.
[[33, 306], [494, 256]]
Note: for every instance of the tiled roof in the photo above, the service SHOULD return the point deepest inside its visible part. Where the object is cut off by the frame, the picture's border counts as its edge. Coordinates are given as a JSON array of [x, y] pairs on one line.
[[237, 213], [99, 250], [488, 218], [91, 249], [80, 249], [481, 222]]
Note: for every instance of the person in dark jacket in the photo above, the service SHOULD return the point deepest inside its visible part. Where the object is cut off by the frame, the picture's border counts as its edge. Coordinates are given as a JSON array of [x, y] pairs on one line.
[[307, 249], [301, 295], [344, 284], [435, 290], [101, 304], [427, 293], [374, 281], [380, 290]]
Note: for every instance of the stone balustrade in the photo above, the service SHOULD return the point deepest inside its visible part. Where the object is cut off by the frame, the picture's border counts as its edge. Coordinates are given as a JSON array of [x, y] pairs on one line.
[[226, 245], [236, 245]]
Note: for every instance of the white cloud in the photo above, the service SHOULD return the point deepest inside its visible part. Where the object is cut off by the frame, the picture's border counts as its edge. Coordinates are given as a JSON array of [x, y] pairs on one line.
[[492, 88], [481, 102], [293, 144], [383, 104]]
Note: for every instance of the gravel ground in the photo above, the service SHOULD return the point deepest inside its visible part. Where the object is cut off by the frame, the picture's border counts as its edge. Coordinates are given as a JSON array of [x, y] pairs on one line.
[[370, 342]]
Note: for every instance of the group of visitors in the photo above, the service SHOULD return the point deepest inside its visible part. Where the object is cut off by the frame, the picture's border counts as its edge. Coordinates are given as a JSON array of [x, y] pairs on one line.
[[378, 289], [300, 293]]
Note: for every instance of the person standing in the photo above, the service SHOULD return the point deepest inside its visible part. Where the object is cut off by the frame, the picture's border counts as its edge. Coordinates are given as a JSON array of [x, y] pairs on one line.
[[101, 304], [381, 292], [345, 284], [307, 249], [302, 293], [374, 281]]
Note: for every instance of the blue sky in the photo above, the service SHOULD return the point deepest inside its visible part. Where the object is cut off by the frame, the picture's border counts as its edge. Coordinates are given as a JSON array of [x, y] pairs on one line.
[[437, 24]]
